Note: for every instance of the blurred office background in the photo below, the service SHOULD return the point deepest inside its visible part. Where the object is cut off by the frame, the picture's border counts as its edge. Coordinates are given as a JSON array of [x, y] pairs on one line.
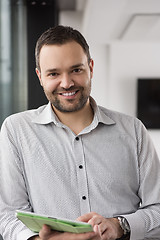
[[124, 39]]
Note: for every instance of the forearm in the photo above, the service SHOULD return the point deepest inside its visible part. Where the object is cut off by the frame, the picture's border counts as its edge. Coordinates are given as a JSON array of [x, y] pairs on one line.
[[144, 223], [146, 219]]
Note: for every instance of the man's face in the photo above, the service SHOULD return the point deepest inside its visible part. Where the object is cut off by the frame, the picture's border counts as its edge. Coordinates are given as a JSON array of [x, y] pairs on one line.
[[65, 76]]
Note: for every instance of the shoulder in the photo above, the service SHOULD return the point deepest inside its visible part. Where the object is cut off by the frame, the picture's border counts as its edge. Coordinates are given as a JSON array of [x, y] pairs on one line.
[[22, 117], [118, 116], [123, 122]]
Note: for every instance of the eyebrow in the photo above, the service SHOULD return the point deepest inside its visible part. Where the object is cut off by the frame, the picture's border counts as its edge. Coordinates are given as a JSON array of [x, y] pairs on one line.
[[72, 67], [51, 70], [77, 65]]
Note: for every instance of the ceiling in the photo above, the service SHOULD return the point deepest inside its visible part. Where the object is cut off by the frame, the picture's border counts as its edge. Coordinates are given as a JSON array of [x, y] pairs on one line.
[[125, 20], [142, 26]]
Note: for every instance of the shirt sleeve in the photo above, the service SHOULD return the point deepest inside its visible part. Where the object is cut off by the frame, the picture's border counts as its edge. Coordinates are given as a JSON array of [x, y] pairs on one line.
[[145, 222], [13, 194]]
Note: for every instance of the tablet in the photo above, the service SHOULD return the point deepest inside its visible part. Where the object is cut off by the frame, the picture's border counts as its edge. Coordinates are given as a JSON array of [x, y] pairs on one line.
[[35, 222]]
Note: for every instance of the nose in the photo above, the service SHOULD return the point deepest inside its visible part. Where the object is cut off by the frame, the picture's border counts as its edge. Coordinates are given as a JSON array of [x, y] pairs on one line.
[[66, 81]]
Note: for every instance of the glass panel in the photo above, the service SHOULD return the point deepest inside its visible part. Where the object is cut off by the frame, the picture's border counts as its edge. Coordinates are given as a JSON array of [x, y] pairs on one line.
[[19, 56], [13, 57], [5, 59]]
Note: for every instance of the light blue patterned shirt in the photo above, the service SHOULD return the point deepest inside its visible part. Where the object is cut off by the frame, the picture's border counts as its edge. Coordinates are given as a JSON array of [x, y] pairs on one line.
[[110, 168]]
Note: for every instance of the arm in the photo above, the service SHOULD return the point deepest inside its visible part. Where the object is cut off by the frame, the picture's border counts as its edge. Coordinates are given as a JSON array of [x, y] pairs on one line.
[[13, 194], [145, 221]]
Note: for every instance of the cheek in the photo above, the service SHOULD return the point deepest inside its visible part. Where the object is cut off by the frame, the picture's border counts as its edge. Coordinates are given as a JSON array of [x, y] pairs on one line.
[[50, 86], [83, 80], [87, 81]]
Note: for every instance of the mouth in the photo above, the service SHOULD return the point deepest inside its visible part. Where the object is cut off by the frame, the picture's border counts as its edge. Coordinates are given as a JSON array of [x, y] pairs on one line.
[[69, 94]]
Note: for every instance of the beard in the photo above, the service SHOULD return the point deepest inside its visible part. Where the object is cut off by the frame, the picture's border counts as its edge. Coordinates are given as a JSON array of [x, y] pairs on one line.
[[70, 105], [73, 108]]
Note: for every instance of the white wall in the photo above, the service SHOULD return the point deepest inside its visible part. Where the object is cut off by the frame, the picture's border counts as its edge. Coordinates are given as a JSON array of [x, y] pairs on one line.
[[129, 61], [117, 66]]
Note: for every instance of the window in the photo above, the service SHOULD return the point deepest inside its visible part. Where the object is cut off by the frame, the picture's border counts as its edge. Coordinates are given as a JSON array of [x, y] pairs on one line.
[[13, 57]]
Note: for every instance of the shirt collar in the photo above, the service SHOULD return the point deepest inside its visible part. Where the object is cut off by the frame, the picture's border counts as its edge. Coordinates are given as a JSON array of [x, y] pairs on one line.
[[45, 115], [99, 115]]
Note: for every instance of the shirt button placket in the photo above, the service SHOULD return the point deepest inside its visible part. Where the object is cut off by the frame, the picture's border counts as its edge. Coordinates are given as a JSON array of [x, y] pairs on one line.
[[81, 175]]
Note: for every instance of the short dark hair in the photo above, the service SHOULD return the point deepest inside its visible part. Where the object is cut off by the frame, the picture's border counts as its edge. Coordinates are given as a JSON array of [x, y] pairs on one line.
[[60, 35]]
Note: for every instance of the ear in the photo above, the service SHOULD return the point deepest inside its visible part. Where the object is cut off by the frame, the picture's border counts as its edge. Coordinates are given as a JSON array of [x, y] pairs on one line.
[[39, 75], [91, 65]]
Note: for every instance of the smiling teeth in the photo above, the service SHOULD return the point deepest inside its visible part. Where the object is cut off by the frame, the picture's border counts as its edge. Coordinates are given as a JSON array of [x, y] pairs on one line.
[[69, 94]]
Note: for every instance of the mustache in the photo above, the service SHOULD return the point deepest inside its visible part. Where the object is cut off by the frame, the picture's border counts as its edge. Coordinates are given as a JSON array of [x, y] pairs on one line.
[[67, 89]]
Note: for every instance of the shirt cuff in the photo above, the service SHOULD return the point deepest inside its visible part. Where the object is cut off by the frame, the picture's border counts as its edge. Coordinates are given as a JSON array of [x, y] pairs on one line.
[[137, 225], [25, 234]]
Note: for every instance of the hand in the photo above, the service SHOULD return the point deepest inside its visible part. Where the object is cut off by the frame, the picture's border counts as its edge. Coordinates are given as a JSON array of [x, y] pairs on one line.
[[107, 228], [47, 234]]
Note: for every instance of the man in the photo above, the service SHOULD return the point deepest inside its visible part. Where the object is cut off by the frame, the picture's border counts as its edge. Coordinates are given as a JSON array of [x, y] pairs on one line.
[[73, 159]]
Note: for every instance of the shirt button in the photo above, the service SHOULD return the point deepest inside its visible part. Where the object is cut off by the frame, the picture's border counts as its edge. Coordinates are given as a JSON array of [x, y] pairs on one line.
[[77, 138], [80, 166], [84, 197]]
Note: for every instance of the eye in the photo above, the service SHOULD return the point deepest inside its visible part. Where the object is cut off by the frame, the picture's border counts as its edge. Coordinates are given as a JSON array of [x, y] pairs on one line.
[[77, 70], [53, 74]]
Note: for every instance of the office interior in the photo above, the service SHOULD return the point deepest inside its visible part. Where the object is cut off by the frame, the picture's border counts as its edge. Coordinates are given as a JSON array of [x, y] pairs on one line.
[[124, 39]]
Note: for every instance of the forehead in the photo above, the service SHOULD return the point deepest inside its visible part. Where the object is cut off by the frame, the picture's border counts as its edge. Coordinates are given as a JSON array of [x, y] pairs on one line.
[[71, 51]]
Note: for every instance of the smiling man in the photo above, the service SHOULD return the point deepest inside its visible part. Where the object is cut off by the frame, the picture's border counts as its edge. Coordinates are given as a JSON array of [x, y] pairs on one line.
[[74, 159], [65, 74], [67, 85]]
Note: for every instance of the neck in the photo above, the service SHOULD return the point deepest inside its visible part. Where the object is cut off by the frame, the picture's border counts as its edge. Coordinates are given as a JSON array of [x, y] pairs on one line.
[[78, 120]]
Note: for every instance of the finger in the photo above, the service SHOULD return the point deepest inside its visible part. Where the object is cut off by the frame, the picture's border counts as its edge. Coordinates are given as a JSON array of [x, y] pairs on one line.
[[102, 228], [45, 232], [95, 220], [99, 230], [96, 229], [81, 236], [107, 235], [86, 217], [98, 235]]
